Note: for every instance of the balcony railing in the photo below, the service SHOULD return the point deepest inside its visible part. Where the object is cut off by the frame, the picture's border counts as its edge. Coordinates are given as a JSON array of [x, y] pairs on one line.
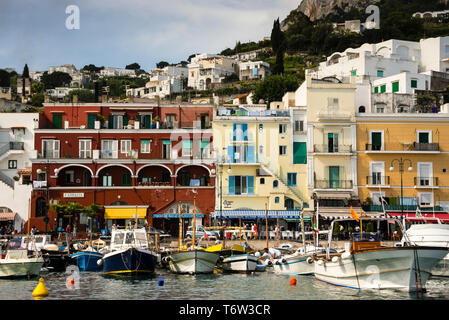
[[324, 148], [16, 146], [409, 208], [426, 146], [426, 181], [377, 180], [333, 184], [373, 147]]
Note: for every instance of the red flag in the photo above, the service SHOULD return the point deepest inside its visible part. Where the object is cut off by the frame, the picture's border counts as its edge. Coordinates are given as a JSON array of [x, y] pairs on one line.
[[205, 236]]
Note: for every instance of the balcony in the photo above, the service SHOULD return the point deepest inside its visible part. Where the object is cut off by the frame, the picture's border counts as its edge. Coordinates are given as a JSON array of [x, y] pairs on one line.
[[377, 180], [373, 147], [333, 184], [325, 148], [16, 146], [334, 115], [426, 146], [426, 182]]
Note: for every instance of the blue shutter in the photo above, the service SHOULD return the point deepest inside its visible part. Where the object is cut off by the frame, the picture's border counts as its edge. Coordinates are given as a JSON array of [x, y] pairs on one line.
[[234, 128], [250, 182], [250, 154], [245, 131], [231, 154], [231, 184]]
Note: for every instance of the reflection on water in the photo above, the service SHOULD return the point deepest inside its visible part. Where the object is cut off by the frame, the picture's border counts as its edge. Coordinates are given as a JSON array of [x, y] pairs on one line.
[[257, 286]]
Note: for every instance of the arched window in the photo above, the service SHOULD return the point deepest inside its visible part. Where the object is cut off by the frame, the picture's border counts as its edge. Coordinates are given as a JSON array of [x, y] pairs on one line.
[[275, 184], [276, 200], [362, 109]]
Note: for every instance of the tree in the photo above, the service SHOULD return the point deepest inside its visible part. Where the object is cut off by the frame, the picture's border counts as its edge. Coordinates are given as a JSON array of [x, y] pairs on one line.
[[92, 68], [279, 64], [38, 87], [83, 95], [133, 66], [25, 73], [55, 79], [162, 64], [278, 43], [273, 88], [4, 78], [37, 99]]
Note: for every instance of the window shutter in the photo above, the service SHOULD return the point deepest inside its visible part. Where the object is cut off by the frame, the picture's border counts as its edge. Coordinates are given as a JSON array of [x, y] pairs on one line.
[[245, 131], [251, 154], [231, 154], [250, 184], [125, 120], [110, 121], [231, 184]]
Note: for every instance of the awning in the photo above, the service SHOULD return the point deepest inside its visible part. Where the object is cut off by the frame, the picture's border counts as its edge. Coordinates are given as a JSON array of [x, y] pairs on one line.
[[176, 216], [125, 212], [325, 195], [441, 216], [257, 214], [7, 216]]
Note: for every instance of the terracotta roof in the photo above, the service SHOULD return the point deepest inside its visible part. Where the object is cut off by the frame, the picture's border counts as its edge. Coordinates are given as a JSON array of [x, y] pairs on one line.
[[6, 216]]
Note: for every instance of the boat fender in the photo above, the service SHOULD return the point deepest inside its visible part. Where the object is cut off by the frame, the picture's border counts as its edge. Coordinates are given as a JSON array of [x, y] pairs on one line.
[[166, 259], [346, 255], [277, 262], [100, 262], [320, 262], [335, 259], [309, 260], [221, 258], [284, 260], [269, 263]]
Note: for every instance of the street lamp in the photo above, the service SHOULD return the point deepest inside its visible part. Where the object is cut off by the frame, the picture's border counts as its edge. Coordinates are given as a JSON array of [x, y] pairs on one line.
[[401, 163]]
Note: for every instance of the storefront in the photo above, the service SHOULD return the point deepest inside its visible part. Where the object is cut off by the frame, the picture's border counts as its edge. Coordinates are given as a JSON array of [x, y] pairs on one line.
[[122, 216]]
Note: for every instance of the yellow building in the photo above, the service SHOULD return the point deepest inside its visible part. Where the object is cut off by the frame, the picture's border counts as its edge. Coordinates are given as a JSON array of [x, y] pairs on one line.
[[410, 146], [259, 165], [331, 138]]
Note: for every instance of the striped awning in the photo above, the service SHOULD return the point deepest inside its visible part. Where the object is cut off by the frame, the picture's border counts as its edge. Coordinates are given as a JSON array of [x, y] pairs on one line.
[[176, 216], [257, 214], [7, 216]]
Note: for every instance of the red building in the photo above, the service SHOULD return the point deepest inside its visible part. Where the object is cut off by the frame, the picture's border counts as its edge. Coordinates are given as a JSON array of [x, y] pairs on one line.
[[133, 159]]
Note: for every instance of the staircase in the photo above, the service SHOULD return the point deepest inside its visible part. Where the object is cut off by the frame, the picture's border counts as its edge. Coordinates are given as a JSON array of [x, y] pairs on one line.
[[297, 196], [6, 180]]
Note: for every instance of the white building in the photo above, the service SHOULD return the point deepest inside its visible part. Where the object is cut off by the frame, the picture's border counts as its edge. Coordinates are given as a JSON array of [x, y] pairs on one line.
[[253, 70], [431, 14], [16, 147], [67, 68], [117, 72], [384, 59], [207, 69]]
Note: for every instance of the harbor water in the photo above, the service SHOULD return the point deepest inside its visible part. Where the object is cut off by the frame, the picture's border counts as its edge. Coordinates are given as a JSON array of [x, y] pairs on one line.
[[219, 286]]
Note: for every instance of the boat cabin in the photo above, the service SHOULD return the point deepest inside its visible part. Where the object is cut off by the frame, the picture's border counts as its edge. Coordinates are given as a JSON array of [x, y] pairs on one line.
[[127, 238]]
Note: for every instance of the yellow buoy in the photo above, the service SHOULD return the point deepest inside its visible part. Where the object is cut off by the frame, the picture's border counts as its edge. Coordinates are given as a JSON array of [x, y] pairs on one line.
[[40, 291]]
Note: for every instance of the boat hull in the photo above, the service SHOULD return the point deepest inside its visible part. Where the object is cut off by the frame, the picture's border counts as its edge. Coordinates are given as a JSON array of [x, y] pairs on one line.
[[87, 260], [21, 268], [193, 262], [382, 268], [131, 261], [55, 260], [242, 263], [294, 265]]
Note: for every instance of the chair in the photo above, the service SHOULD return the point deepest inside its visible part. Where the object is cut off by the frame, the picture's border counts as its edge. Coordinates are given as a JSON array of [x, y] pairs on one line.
[[272, 234]]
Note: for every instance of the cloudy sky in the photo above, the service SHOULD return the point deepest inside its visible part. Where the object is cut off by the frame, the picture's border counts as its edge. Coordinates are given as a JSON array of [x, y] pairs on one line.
[[114, 33]]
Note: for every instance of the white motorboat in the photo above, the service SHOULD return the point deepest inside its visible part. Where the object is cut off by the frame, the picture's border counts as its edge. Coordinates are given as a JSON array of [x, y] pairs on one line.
[[431, 235], [243, 263], [366, 264], [299, 262], [16, 263], [193, 261]]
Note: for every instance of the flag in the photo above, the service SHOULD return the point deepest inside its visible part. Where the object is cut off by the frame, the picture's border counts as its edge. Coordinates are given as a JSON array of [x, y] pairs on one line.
[[354, 215], [205, 236]]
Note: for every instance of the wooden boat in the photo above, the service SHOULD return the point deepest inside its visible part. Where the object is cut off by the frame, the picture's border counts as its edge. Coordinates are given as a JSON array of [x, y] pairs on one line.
[[367, 264], [128, 254], [193, 261], [86, 260], [17, 263], [243, 263], [299, 262]]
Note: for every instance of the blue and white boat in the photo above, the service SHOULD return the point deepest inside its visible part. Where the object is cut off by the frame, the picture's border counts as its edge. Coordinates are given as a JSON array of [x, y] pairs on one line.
[[86, 260], [243, 263], [129, 254]]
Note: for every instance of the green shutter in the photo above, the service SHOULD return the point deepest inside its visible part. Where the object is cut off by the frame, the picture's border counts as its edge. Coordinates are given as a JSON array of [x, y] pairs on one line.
[[91, 118], [125, 120], [110, 121], [376, 89], [204, 144], [57, 121], [126, 179], [383, 88], [395, 86], [414, 84], [299, 153], [166, 142]]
